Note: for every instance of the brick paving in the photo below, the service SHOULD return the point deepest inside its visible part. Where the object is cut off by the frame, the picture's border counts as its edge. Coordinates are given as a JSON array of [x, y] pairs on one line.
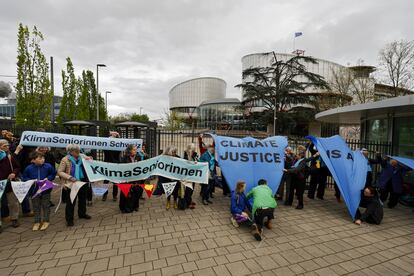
[[318, 240]]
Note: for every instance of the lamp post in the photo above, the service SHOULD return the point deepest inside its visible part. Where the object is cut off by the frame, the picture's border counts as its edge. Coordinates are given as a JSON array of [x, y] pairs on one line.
[[106, 100], [97, 89]]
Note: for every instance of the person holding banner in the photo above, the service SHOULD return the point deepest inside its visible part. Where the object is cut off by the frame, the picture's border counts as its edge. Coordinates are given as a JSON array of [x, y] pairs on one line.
[[374, 210], [130, 203], [264, 205], [298, 174], [391, 181], [112, 156], [40, 170], [240, 205], [190, 154], [9, 169], [206, 190], [171, 151], [70, 171]]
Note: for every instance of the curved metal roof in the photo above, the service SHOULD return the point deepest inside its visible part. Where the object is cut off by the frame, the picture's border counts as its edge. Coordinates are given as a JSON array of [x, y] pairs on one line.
[[353, 114], [221, 101], [131, 124], [200, 78], [79, 123]]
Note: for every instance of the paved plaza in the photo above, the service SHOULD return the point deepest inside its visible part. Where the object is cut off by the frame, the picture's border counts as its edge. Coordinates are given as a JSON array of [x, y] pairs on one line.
[[318, 240]]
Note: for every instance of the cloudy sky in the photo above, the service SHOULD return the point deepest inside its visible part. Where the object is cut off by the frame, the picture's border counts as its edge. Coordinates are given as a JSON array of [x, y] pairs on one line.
[[149, 46]]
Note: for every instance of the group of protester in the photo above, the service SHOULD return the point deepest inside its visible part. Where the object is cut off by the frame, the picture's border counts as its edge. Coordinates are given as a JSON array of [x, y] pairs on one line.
[[298, 168], [255, 208]]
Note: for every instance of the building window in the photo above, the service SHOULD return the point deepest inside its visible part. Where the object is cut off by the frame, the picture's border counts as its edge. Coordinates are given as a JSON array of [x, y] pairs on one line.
[[403, 137], [377, 130]]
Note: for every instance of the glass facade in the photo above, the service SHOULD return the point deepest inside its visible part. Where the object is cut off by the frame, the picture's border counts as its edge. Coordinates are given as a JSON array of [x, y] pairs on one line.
[[8, 110], [377, 130], [403, 137], [220, 115]]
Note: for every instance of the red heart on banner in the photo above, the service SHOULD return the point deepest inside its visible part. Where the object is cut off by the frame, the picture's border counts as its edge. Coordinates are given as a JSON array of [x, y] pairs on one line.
[[148, 188], [124, 187]]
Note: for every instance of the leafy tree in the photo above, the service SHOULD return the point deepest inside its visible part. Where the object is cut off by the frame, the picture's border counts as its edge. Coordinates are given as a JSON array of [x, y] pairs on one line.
[[70, 85], [134, 117], [84, 101], [33, 93], [282, 86], [89, 83]]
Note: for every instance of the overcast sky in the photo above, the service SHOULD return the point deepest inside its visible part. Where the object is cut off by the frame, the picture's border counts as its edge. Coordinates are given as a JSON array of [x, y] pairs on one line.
[[149, 46]]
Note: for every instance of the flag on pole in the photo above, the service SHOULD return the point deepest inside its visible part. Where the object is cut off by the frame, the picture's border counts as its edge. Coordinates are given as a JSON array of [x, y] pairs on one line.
[[298, 34]]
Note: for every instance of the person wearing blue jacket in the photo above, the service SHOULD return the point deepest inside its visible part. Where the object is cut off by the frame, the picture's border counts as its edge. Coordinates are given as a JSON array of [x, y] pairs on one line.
[[206, 190], [240, 205], [40, 170]]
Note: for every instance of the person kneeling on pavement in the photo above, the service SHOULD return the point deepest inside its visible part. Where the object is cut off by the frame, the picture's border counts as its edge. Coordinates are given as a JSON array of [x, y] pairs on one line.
[[240, 205], [374, 208], [264, 205]]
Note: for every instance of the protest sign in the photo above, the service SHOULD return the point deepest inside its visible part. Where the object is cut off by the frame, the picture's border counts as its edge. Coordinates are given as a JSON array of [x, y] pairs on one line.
[[148, 188], [250, 160], [168, 188], [3, 184], [99, 188], [20, 189], [43, 185], [348, 168], [163, 165], [75, 189], [59, 140]]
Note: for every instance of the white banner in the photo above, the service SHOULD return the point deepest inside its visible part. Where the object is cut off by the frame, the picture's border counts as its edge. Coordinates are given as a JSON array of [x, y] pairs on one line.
[[164, 165], [3, 184], [99, 188], [169, 188], [59, 140], [20, 189], [75, 189]]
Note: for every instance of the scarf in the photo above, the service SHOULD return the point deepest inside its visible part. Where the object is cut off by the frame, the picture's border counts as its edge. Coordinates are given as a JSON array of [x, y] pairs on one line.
[[297, 163], [76, 167], [2, 154], [141, 155], [211, 162]]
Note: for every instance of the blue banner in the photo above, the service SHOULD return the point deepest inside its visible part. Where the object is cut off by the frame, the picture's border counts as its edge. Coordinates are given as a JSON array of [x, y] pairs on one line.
[[250, 160], [348, 168], [167, 166], [405, 161]]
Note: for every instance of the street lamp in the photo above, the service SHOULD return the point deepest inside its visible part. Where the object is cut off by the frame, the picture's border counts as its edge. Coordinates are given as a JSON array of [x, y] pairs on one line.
[[97, 89], [106, 100]]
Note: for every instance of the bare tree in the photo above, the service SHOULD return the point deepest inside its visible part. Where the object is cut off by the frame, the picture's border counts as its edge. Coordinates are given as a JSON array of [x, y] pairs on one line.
[[363, 90], [397, 62], [342, 84]]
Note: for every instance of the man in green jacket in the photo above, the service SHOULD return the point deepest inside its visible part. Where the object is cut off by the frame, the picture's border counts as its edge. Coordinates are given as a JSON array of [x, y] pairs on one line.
[[264, 205]]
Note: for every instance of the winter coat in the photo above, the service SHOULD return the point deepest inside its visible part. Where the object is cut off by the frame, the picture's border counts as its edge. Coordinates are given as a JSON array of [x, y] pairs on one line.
[[239, 203]]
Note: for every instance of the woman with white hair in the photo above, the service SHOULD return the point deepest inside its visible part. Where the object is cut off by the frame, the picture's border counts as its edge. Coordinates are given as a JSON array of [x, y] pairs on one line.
[[9, 169], [71, 170]]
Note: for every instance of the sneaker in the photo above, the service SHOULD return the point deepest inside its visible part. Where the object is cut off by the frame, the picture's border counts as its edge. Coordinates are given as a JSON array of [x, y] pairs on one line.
[[15, 223], [45, 225], [168, 206], [299, 207], [234, 222], [85, 217], [175, 205], [209, 201], [256, 233], [36, 227], [205, 202]]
